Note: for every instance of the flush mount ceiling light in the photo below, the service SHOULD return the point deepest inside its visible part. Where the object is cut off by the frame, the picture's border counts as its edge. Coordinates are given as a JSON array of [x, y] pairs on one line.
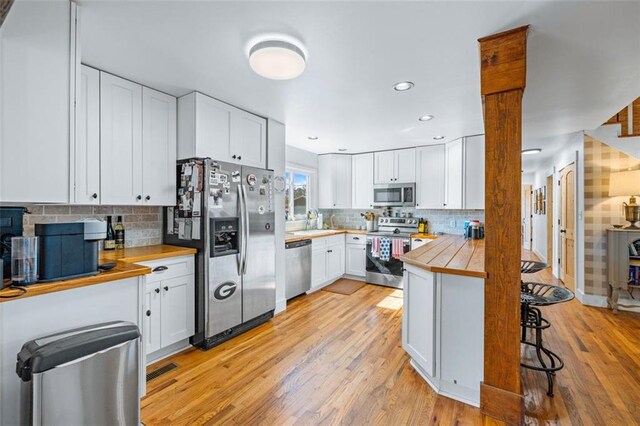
[[531, 151], [426, 118], [438, 138], [403, 86], [313, 138], [277, 59]]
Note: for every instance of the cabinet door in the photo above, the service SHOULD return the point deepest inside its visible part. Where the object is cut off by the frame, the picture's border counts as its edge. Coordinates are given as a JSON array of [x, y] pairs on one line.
[[341, 181], [362, 181], [418, 318], [178, 309], [430, 177], [326, 195], [356, 260], [335, 261], [213, 128], [318, 267], [35, 112], [384, 165], [86, 155], [405, 165], [120, 141], [249, 140], [453, 175], [158, 148], [474, 172], [152, 314]]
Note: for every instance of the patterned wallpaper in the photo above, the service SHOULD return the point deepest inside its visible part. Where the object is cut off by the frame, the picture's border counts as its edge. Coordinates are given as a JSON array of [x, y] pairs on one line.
[[601, 211]]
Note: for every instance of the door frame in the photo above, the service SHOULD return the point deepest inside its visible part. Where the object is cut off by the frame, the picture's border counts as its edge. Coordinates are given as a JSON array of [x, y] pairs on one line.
[[549, 210], [526, 196]]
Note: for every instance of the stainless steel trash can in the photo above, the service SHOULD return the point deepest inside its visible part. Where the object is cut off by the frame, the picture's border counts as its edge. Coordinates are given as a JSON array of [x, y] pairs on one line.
[[85, 376]]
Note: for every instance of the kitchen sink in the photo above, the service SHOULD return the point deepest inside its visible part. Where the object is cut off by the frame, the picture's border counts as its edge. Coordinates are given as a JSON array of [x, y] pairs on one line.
[[314, 232]]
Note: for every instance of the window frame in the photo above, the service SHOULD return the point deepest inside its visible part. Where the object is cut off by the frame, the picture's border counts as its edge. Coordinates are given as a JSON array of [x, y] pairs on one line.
[[290, 212]]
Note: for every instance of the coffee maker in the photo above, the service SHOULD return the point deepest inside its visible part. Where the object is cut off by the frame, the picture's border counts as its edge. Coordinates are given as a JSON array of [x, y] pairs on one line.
[[69, 250], [10, 226]]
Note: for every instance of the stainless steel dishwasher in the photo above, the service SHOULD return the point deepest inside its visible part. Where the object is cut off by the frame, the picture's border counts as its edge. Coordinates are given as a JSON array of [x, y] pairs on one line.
[[298, 264]]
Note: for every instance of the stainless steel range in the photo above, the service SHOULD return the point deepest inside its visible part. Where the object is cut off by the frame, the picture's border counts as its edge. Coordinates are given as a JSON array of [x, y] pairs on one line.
[[384, 246]]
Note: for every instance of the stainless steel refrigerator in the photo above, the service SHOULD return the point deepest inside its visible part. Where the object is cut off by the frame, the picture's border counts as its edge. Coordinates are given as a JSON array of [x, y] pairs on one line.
[[226, 211]]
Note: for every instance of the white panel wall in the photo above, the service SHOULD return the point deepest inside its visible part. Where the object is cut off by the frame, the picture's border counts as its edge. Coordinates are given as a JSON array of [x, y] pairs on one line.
[[276, 161]]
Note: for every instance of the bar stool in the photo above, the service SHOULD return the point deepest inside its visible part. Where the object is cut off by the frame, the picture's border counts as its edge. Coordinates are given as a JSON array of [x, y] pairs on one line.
[[532, 296], [528, 267]]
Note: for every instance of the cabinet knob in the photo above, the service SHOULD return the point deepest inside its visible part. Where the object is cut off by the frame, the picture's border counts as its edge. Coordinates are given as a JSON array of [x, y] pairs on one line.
[[329, 251], [166, 288], [139, 197], [148, 197], [94, 196], [234, 156], [157, 290], [148, 313], [239, 157]]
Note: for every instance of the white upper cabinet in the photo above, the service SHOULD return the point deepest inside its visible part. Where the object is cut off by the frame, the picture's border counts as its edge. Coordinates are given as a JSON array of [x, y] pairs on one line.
[[430, 177], [334, 181], [37, 82], [405, 160], [395, 166], [453, 174], [384, 169], [474, 172], [362, 181], [211, 128], [85, 168], [120, 140], [158, 147]]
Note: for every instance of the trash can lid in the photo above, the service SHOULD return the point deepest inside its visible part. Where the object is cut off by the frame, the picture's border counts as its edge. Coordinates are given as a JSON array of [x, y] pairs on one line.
[[45, 353]]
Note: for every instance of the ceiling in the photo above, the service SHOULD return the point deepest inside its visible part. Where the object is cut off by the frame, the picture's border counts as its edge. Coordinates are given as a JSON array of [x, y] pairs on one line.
[[583, 63]]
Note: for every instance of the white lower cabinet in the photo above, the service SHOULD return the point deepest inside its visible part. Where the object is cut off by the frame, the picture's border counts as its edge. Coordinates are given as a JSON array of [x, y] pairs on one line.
[[419, 242], [356, 255], [169, 303], [327, 260], [443, 331]]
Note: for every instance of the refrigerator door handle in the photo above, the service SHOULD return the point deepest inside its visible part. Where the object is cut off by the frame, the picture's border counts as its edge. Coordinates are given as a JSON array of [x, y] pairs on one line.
[[243, 243], [245, 228]]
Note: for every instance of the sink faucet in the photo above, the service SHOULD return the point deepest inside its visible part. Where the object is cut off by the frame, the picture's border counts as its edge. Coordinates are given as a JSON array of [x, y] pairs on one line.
[[311, 212]]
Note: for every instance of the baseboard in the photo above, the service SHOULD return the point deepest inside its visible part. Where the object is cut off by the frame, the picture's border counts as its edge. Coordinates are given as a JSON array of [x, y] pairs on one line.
[[281, 306], [168, 351], [591, 299], [354, 277]]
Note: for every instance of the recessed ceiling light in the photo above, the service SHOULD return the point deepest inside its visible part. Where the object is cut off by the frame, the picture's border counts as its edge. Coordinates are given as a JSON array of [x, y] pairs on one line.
[[531, 151], [403, 86], [426, 118], [342, 149], [438, 138], [313, 138], [277, 59]]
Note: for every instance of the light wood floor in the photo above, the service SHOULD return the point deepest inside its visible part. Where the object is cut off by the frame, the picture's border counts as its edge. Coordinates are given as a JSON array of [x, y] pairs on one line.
[[336, 359]]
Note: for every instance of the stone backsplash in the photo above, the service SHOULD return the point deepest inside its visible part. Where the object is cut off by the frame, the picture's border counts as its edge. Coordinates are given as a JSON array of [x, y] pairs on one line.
[[437, 220], [142, 224]]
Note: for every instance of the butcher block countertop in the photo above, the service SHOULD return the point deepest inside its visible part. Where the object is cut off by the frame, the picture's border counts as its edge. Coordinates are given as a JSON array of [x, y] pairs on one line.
[[125, 268], [424, 236], [450, 254], [291, 238]]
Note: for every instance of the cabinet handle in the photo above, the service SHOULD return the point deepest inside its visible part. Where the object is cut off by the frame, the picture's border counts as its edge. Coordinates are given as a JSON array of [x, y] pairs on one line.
[[148, 313], [139, 197], [160, 268], [417, 240], [148, 197], [329, 251], [94, 196], [157, 290], [166, 288], [234, 156], [356, 238], [239, 157]]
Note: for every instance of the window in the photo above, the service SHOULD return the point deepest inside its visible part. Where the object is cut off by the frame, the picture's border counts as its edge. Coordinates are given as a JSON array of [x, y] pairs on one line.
[[296, 200]]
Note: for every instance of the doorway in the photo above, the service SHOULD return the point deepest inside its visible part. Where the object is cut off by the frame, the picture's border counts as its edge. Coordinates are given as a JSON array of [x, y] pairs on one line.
[[567, 226], [549, 211], [527, 218]]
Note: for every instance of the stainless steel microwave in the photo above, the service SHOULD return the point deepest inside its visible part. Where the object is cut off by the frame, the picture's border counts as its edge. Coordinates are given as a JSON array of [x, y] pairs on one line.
[[394, 195]]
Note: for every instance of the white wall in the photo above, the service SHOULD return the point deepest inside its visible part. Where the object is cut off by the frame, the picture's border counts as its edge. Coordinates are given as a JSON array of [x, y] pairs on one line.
[[572, 152], [276, 161]]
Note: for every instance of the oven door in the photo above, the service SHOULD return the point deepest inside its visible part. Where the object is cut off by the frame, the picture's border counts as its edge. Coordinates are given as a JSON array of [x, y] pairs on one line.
[[382, 270]]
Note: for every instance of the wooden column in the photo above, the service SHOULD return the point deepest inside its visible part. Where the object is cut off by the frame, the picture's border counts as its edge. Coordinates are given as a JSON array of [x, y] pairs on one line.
[[503, 74]]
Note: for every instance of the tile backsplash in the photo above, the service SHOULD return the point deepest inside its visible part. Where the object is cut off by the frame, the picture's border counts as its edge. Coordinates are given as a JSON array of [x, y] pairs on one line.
[[143, 225], [437, 220]]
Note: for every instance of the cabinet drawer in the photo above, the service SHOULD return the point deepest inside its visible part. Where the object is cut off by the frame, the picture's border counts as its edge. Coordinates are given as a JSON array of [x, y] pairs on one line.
[[356, 239], [171, 267]]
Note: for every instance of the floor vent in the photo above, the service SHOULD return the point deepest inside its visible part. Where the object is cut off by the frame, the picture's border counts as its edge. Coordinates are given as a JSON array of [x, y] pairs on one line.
[[160, 371]]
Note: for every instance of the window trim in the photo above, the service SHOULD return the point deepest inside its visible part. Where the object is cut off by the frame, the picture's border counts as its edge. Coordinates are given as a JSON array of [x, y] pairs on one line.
[[292, 170]]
